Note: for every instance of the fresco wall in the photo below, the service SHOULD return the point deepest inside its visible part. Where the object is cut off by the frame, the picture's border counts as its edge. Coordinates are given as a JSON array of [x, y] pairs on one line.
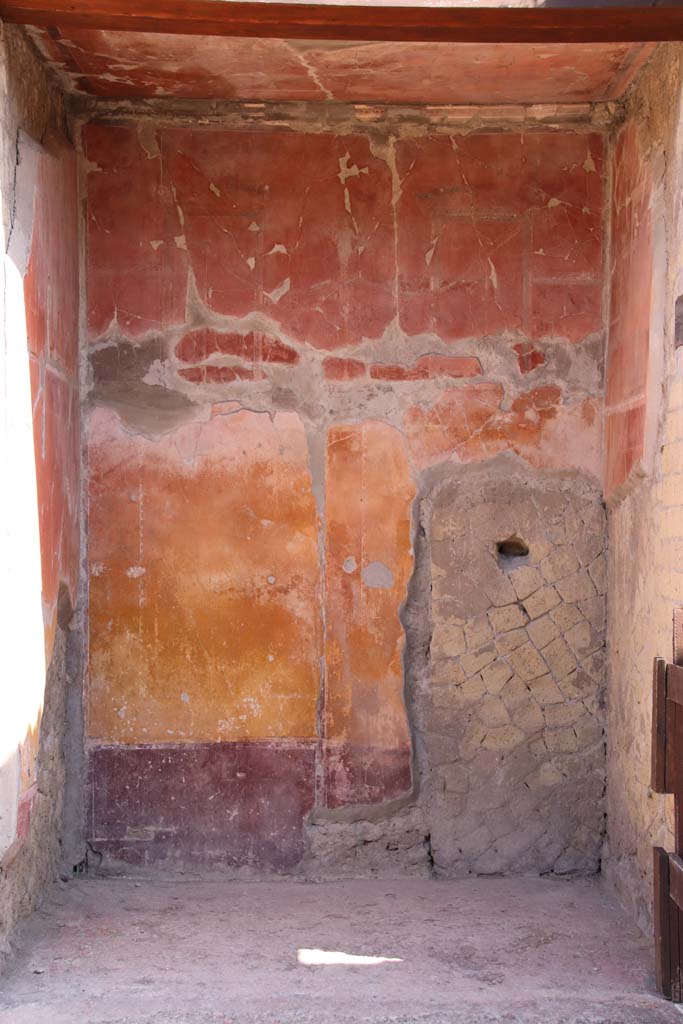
[[291, 337]]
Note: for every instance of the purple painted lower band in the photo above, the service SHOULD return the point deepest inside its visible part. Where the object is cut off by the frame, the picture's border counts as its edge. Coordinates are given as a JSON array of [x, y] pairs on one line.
[[208, 804]]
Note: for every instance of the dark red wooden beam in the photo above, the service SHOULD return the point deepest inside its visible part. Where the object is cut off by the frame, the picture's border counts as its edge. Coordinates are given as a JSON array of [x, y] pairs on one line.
[[534, 21]]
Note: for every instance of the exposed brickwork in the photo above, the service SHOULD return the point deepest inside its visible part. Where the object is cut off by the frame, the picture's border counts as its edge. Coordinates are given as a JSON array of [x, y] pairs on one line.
[[510, 716]]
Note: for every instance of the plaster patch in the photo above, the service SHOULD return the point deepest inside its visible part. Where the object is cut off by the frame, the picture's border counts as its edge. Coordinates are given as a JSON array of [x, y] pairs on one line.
[[378, 576]]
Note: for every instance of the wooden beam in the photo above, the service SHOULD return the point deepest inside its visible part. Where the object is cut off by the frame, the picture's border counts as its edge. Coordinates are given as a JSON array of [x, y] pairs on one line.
[[495, 22]]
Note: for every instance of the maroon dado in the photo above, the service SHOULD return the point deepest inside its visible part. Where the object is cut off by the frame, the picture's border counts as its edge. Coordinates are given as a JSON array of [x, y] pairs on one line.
[[214, 804]]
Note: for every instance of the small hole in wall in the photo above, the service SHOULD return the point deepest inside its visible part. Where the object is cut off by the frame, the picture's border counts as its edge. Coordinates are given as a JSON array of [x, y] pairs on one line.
[[511, 550], [678, 323]]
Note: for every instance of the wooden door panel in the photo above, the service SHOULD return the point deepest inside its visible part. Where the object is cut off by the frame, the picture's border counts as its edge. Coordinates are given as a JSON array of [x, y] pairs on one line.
[[667, 777]]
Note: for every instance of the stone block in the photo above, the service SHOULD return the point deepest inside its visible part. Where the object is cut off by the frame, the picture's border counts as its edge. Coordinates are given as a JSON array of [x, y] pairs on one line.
[[595, 611], [583, 639], [471, 843], [505, 737], [526, 580], [515, 693], [510, 617], [447, 673], [594, 665], [519, 840], [511, 709], [561, 740], [562, 561], [577, 587], [493, 712], [565, 616], [589, 543], [528, 717], [443, 749], [559, 658], [443, 697], [542, 631], [545, 777], [573, 861], [597, 570], [559, 715], [539, 547], [476, 661], [473, 689], [442, 718], [508, 642], [577, 685], [496, 675], [454, 778], [447, 641], [472, 740], [527, 662], [545, 690], [477, 632], [589, 731], [491, 862], [541, 602], [500, 591]]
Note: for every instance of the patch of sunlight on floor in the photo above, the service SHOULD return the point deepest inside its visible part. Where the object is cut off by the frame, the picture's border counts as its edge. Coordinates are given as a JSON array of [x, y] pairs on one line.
[[316, 957]]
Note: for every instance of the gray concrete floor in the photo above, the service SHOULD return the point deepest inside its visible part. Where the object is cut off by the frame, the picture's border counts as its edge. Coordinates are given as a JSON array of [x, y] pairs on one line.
[[536, 951]]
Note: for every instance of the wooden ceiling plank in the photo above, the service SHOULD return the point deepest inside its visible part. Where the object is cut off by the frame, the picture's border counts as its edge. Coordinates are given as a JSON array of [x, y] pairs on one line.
[[625, 22]]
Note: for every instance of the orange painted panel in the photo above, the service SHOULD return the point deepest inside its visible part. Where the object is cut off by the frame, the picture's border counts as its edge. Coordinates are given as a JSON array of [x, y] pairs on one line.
[[369, 561], [204, 591]]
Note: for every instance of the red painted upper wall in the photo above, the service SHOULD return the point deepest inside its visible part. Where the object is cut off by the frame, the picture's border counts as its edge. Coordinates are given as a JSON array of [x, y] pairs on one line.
[[332, 239], [51, 296]]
